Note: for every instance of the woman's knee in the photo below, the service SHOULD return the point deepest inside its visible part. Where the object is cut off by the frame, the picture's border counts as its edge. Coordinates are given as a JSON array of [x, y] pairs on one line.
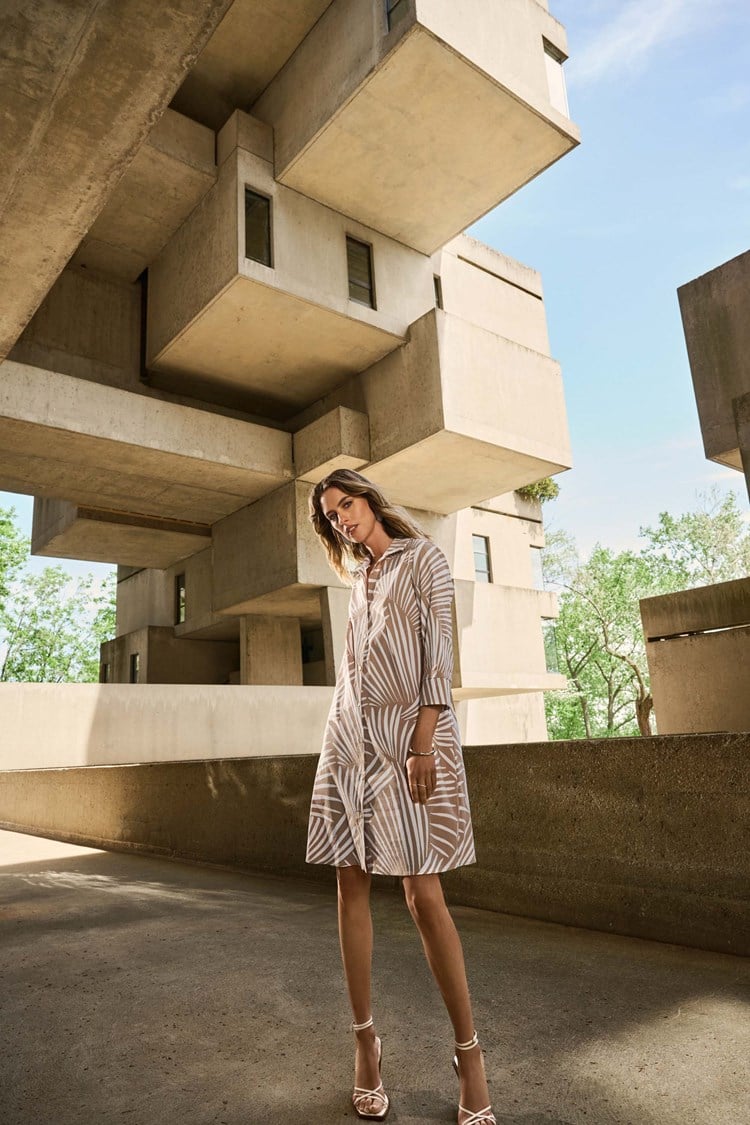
[[353, 884], [424, 898]]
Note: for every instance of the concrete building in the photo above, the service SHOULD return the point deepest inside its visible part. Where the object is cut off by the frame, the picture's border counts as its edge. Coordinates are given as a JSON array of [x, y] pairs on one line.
[[234, 262], [698, 641]]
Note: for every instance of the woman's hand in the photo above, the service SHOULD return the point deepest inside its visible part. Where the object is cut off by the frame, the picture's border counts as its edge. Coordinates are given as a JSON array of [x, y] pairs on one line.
[[421, 775]]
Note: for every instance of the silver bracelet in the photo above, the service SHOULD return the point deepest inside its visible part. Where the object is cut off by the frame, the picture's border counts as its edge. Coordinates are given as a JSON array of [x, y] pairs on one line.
[[425, 754]]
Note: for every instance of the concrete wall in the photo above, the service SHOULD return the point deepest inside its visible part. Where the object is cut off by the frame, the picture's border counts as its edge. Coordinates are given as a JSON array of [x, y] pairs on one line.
[[88, 326], [717, 333], [68, 725], [167, 659], [698, 650], [642, 836]]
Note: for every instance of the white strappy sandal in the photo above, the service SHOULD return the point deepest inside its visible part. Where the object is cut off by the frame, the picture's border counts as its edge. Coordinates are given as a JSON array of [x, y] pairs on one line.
[[361, 1096], [482, 1116]]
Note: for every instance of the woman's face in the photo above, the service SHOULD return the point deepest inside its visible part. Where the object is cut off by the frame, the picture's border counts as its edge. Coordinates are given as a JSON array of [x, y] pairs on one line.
[[352, 516]]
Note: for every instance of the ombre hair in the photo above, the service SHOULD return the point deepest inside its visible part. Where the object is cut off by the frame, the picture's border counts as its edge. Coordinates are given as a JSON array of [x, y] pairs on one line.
[[343, 555]]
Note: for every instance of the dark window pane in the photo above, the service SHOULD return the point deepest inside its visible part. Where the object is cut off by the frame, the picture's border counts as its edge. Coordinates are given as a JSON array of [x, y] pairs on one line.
[[135, 667], [257, 227], [438, 292], [359, 265], [396, 10], [179, 599]]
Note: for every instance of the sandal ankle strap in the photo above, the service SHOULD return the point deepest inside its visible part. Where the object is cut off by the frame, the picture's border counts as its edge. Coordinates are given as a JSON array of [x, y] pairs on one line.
[[362, 1026], [473, 1042]]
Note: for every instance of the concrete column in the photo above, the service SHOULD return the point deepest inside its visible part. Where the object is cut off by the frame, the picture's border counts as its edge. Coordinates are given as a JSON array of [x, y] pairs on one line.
[[334, 612], [270, 650]]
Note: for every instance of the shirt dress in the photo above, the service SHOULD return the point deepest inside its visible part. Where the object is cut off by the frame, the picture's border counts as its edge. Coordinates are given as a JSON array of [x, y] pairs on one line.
[[399, 657]]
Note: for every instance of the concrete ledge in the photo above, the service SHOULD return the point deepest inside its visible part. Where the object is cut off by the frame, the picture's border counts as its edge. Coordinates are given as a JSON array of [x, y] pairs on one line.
[[69, 725], [648, 837]]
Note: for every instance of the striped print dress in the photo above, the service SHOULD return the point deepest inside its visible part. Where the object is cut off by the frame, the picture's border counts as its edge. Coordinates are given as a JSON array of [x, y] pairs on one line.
[[399, 657]]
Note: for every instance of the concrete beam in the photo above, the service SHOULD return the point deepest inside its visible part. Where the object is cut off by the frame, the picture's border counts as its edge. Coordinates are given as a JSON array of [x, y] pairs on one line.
[[84, 85], [102, 447], [67, 531]]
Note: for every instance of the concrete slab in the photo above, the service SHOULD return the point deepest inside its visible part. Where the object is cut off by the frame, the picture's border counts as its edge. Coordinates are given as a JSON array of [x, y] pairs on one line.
[[145, 990]]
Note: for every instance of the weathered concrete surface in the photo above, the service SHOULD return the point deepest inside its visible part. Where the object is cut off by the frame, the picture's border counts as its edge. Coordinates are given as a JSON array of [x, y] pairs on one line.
[[71, 135], [646, 837], [698, 649], [717, 334], [142, 990]]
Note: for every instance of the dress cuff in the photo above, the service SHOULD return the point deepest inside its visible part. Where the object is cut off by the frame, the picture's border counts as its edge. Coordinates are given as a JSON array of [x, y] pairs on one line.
[[435, 691]]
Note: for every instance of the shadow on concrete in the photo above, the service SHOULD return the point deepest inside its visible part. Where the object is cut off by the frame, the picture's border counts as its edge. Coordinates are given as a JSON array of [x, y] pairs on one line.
[[142, 990]]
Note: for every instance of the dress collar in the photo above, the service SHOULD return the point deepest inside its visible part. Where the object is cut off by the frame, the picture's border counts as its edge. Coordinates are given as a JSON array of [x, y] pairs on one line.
[[393, 548]]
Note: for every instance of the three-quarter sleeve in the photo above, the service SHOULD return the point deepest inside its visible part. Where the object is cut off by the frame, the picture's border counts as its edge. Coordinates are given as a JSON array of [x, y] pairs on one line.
[[434, 585]]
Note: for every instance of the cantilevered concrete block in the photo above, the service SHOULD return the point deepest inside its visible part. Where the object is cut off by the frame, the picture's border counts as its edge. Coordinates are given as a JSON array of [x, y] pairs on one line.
[[71, 131], [105, 448], [338, 440], [272, 336], [717, 333], [69, 531], [460, 414], [167, 179], [418, 129], [267, 559]]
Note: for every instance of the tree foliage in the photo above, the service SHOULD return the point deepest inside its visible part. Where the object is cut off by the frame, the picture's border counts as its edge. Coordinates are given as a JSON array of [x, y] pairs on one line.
[[600, 644], [51, 625]]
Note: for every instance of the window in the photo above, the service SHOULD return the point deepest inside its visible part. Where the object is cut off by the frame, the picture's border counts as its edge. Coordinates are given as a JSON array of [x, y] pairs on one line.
[[359, 265], [553, 63], [482, 567], [550, 644], [438, 292], [105, 673], [179, 599], [135, 667], [537, 571], [395, 10], [257, 227]]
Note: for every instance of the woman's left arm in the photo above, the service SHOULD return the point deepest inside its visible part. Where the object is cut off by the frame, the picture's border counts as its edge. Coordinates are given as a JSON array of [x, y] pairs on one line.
[[435, 588]]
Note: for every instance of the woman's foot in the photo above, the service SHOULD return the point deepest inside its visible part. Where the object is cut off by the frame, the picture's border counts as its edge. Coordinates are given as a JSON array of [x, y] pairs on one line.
[[369, 1098], [474, 1098]]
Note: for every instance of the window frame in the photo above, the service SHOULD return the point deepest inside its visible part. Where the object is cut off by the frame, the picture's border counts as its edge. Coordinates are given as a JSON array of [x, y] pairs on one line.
[[487, 555], [180, 599], [549, 639], [251, 191], [351, 241]]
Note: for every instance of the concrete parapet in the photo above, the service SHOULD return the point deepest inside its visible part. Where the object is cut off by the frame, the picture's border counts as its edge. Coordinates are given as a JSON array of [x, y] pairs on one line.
[[640, 836], [698, 650], [51, 726]]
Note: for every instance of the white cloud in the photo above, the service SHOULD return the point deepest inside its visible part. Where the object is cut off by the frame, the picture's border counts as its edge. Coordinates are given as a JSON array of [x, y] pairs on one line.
[[636, 30]]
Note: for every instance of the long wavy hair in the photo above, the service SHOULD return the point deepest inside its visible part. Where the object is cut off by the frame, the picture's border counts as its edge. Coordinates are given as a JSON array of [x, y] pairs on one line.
[[344, 555]]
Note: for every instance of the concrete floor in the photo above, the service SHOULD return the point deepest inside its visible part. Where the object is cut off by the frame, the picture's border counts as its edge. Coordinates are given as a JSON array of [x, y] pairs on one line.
[[142, 991]]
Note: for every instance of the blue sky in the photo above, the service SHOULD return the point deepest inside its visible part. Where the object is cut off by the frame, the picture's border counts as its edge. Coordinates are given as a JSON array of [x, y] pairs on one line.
[[658, 193]]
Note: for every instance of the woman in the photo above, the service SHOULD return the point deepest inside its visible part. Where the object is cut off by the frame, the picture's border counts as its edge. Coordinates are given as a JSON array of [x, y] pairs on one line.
[[390, 792]]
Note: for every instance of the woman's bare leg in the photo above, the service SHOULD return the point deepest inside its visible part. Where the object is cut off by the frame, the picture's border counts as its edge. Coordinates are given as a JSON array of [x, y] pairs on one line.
[[442, 946], [355, 936]]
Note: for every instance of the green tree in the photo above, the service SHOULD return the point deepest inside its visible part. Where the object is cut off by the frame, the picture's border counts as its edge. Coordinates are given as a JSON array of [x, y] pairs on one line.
[[600, 644], [51, 625]]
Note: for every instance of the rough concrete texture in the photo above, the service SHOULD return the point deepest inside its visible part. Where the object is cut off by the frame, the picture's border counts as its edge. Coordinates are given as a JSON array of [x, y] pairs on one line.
[[67, 127], [645, 837], [147, 991]]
